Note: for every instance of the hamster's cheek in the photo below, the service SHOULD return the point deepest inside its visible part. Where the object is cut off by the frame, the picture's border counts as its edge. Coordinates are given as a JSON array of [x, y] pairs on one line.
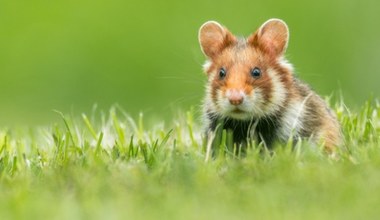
[[222, 102], [255, 102]]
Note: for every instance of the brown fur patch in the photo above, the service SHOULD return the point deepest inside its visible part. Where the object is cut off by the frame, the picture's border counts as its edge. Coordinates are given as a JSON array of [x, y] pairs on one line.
[[319, 121]]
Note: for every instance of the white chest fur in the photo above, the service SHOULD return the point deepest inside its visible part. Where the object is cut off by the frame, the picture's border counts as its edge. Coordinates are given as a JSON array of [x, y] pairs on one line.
[[291, 122]]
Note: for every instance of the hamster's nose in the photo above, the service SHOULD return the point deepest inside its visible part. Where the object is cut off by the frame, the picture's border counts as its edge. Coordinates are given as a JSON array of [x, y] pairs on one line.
[[235, 97]]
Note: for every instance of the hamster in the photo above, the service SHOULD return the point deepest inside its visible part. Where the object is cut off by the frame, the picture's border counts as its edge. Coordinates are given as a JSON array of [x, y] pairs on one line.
[[252, 89]]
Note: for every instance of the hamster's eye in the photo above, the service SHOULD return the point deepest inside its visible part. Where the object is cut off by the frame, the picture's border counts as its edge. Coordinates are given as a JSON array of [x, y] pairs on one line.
[[256, 73], [222, 73]]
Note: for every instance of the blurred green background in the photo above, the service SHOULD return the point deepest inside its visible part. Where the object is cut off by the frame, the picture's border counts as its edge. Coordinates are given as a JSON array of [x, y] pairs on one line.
[[144, 55]]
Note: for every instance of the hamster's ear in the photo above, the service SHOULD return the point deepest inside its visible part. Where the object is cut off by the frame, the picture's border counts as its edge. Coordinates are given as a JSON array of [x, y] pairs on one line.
[[272, 37], [213, 38]]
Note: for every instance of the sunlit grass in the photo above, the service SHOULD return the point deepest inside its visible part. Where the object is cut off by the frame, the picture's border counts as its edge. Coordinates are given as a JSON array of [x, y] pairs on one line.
[[111, 166]]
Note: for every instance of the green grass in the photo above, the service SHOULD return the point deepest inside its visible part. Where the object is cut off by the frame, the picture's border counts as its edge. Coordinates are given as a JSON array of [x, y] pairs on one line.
[[110, 166]]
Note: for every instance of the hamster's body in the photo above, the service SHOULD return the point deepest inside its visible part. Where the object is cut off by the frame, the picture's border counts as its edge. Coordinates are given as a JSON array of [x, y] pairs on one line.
[[252, 89]]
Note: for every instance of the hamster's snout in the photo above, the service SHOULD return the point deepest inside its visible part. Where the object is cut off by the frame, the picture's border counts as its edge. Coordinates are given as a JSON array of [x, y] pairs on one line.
[[235, 97]]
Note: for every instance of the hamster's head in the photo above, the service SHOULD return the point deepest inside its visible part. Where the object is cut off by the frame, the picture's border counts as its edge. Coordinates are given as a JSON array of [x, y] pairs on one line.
[[247, 77]]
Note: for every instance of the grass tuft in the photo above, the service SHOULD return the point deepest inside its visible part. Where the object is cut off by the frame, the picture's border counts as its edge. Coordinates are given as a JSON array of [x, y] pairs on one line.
[[107, 165]]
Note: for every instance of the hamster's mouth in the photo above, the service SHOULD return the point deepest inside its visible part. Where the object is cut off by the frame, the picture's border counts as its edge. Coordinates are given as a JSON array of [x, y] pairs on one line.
[[238, 111]]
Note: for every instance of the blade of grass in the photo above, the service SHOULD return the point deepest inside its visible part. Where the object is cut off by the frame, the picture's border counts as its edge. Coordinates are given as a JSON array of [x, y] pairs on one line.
[[89, 126]]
